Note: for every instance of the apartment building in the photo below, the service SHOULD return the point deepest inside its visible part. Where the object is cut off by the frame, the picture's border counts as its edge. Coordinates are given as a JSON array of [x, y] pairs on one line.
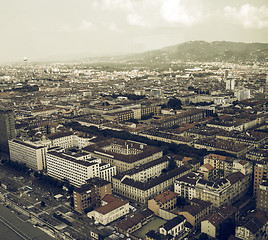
[[196, 211], [225, 191], [30, 153], [143, 191], [90, 194], [166, 200], [124, 154], [222, 164], [208, 172], [260, 174], [211, 225], [229, 146], [262, 196], [76, 169], [185, 185], [222, 192], [255, 227], [180, 118]]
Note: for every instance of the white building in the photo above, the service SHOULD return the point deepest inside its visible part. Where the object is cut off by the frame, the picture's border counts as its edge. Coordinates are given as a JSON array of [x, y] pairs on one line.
[[112, 208], [185, 186], [230, 84], [76, 169], [67, 140], [242, 166], [33, 155], [174, 227], [242, 94]]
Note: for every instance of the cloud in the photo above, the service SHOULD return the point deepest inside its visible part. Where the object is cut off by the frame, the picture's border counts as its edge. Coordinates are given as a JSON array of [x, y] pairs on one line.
[[85, 26], [175, 12], [249, 16], [114, 4]]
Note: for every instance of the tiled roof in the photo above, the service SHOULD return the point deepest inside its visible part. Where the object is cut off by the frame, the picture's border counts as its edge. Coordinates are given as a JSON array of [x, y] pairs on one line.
[[166, 196], [208, 166], [113, 203]]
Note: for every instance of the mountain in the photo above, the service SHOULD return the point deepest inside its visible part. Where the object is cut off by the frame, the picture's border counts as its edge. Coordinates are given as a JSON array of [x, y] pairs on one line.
[[219, 51]]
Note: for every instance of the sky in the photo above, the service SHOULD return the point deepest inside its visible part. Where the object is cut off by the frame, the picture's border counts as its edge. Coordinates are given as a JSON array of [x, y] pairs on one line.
[[42, 29]]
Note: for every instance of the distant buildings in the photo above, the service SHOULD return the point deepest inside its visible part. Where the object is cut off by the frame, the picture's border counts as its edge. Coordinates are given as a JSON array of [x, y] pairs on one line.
[[230, 84]]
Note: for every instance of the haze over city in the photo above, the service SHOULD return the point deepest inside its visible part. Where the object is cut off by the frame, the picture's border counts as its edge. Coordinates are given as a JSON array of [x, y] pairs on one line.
[[134, 119], [69, 29]]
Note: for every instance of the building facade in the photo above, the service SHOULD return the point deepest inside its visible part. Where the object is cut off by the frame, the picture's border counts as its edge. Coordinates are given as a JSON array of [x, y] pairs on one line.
[[7, 128], [33, 155]]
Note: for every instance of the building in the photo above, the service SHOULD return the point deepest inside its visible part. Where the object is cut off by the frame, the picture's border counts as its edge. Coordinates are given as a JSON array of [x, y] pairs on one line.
[[220, 224], [260, 174], [90, 194], [223, 165], [195, 115], [166, 200], [124, 154], [208, 172], [224, 191], [33, 155], [175, 227], [185, 185], [196, 211], [67, 140], [134, 221], [262, 197], [143, 191], [230, 84], [242, 166], [112, 208], [7, 128], [242, 94], [153, 235], [255, 227], [76, 168]]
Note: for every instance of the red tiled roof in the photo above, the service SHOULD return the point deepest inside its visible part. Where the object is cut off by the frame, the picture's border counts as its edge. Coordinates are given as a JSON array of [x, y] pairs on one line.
[[165, 196], [208, 166], [113, 203]]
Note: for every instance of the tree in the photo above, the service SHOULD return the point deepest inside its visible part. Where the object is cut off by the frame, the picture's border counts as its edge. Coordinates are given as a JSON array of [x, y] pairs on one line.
[[174, 103], [203, 236], [43, 204], [181, 201], [171, 164]]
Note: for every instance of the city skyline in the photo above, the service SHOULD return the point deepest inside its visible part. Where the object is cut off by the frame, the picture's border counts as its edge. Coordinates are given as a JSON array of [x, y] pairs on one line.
[[70, 29]]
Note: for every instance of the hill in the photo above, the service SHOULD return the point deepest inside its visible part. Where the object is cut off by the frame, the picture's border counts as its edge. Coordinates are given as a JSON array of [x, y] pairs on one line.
[[219, 51]]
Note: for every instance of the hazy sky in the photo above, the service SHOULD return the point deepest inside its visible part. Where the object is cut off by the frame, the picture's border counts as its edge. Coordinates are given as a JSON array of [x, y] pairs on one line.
[[38, 29]]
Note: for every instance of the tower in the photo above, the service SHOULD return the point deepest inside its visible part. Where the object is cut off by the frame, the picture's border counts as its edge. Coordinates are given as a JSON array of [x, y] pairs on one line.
[[230, 84], [7, 128]]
